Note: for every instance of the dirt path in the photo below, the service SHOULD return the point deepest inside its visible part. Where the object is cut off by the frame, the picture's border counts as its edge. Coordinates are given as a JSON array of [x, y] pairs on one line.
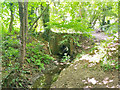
[[100, 35]]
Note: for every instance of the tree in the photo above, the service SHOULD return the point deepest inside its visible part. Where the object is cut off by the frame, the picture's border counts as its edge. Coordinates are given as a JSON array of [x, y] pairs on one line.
[[119, 17], [12, 17], [23, 28], [30, 16], [45, 18]]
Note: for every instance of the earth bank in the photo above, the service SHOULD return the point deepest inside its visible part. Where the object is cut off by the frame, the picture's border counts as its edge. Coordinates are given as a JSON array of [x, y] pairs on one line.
[[82, 74]]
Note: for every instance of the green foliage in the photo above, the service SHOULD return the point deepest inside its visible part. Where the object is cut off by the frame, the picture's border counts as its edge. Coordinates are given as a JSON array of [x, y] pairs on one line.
[[36, 56], [75, 37], [10, 50], [64, 16], [11, 53], [110, 64], [16, 81], [66, 58], [5, 15], [72, 24], [109, 55], [11, 41], [113, 29], [66, 39]]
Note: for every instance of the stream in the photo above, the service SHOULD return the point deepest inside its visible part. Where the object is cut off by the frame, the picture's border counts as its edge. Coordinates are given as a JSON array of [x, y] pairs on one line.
[[48, 76], [51, 73]]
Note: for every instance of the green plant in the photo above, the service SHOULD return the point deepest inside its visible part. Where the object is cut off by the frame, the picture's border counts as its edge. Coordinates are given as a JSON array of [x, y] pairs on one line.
[[65, 58], [108, 53], [36, 56], [110, 64], [112, 29], [9, 55], [67, 38]]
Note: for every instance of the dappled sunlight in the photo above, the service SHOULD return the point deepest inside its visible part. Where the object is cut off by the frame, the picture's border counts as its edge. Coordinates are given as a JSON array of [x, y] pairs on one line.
[[90, 58], [94, 81], [91, 64], [57, 30], [59, 44], [101, 52]]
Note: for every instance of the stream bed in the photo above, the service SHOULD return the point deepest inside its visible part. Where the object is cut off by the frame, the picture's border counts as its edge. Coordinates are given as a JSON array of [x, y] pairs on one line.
[[48, 76]]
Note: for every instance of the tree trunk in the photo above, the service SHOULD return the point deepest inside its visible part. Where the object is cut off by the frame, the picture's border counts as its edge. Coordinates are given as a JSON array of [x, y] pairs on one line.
[[12, 17], [103, 20], [80, 12], [45, 18], [119, 18], [94, 22], [36, 24], [92, 18], [56, 3], [26, 19], [23, 28]]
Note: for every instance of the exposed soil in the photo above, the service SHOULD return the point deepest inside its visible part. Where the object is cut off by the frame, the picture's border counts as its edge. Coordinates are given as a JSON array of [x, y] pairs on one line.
[[82, 75]]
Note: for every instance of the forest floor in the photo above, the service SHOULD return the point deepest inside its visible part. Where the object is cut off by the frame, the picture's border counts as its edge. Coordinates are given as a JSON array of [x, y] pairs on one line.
[[85, 74], [81, 73]]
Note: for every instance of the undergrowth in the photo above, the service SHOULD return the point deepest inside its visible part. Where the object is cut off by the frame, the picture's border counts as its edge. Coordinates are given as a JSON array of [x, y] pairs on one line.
[[35, 60], [106, 54]]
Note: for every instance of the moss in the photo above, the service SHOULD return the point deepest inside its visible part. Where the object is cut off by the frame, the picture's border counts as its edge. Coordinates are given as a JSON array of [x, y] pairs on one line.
[[55, 77], [40, 82]]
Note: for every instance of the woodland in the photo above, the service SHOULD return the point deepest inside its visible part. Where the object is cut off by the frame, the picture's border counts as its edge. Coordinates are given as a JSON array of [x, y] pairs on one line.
[[59, 44]]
